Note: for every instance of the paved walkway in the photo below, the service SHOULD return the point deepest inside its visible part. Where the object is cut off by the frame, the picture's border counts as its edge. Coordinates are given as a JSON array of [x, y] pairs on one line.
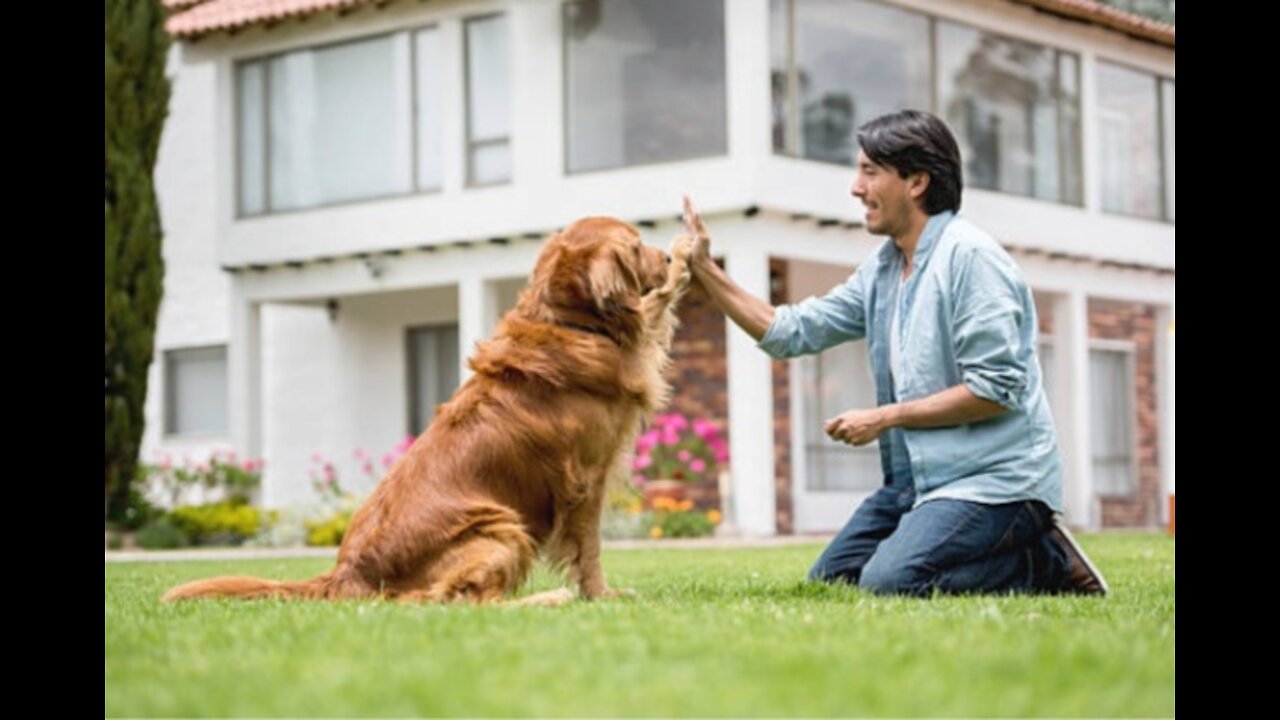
[[271, 553]]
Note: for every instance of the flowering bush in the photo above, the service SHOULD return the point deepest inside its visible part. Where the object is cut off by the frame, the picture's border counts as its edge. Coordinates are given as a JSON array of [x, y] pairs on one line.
[[666, 518], [328, 524], [676, 449], [672, 518], [328, 532], [229, 522], [222, 471], [324, 477]]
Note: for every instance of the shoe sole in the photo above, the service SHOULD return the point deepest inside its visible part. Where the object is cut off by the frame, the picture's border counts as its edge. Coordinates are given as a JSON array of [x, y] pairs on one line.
[[1080, 553]]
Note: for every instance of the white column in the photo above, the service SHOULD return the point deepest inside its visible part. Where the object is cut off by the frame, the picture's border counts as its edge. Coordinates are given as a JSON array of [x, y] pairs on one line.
[[477, 303], [1164, 403], [1071, 354], [1091, 164], [453, 124], [537, 136], [244, 384], [750, 380], [747, 80]]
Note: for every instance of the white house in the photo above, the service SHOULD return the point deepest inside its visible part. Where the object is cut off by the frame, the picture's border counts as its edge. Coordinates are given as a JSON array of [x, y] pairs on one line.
[[354, 191]]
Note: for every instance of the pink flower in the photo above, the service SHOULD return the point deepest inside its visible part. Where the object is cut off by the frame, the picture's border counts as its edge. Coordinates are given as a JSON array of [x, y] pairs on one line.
[[646, 442], [368, 467], [317, 457], [201, 467], [247, 466], [637, 479], [684, 455], [641, 462], [404, 444], [361, 454], [328, 473], [670, 436], [705, 429], [231, 456], [698, 465], [677, 421], [388, 460]]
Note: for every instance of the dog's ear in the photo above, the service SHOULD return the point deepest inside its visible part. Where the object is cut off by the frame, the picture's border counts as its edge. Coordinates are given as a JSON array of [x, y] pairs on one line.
[[613, 281], [615, 288], [537, 298]]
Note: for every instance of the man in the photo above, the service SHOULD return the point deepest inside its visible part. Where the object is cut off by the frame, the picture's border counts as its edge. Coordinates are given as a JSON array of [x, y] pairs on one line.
[[973, 476]]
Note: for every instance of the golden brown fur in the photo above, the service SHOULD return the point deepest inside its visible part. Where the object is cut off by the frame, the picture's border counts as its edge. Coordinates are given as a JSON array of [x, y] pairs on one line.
[[517, 462]]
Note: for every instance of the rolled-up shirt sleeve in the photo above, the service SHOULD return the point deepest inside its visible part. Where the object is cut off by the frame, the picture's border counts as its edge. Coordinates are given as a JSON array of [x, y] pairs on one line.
[[988, 315], [818, 323]]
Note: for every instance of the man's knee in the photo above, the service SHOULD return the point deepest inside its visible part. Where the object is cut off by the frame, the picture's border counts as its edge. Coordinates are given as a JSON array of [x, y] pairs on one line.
[[887, 579], [833, 572]]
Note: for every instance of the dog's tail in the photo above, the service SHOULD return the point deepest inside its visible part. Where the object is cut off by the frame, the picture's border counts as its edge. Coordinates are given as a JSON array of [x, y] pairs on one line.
[[251, 588]]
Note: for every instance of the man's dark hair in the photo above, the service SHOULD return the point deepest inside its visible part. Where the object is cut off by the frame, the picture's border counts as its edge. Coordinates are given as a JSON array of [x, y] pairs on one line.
[[912, 141]]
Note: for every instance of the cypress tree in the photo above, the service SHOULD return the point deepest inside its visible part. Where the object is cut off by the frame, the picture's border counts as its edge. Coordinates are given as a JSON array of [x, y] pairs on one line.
[[137, 100]]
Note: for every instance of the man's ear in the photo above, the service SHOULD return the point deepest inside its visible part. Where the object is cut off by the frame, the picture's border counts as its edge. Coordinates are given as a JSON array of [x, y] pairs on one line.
[[918, 184]]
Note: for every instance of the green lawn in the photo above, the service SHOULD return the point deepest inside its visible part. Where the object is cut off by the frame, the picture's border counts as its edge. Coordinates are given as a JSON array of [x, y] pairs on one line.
[[712, 633]]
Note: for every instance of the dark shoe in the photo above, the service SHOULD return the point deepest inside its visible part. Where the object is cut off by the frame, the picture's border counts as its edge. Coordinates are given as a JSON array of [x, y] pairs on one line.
[[1082, 577]]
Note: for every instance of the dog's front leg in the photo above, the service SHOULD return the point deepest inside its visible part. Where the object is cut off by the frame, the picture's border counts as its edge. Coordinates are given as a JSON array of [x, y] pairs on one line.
[[586, 569], [656, 304]]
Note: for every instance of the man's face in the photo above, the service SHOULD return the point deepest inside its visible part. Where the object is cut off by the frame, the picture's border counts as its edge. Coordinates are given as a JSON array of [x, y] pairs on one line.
[[888, 198]]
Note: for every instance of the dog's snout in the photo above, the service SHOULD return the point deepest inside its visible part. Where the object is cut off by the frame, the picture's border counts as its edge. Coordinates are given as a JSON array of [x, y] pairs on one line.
[[667, 255]]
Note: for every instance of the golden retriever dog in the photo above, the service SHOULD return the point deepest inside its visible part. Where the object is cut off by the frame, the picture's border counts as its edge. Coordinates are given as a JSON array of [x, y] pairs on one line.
[[517, 462]]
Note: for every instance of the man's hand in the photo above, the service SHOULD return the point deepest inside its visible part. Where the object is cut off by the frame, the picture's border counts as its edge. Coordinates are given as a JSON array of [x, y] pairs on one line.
[[750, 313], [698, 231], [858, 427]]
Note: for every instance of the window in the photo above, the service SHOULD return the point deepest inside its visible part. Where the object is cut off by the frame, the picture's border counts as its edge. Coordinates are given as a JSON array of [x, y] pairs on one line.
[[362, 119], [1013, 106], [1112, 382], [1166, 113], [853, 61], [433, 372], [196, 391], [645, 82], [488, 101], [834, 382], [1015, 110], [1129, 136]]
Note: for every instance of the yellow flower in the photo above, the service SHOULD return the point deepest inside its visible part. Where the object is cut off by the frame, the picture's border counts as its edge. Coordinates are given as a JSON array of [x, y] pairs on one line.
[[686, 505], [635, 508], [714, 516], [663, 503], [655, 532]]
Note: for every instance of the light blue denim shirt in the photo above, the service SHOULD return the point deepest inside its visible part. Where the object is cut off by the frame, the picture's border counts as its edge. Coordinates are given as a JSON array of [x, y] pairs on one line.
[[967, 317]]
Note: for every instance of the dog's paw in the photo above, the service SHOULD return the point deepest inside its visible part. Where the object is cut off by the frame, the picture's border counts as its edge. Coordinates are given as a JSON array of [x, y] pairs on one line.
[[681, 249], [616, 593], [681, 272], [550, 598]]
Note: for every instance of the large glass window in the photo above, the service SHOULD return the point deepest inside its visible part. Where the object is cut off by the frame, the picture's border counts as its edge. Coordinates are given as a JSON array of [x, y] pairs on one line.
[[645, 82]]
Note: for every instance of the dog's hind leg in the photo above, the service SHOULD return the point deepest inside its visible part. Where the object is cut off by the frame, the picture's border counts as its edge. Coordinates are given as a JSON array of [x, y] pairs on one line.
[[487, 564]]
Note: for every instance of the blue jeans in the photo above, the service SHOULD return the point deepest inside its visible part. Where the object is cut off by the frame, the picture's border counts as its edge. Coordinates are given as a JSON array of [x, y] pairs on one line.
[[953, 546]]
